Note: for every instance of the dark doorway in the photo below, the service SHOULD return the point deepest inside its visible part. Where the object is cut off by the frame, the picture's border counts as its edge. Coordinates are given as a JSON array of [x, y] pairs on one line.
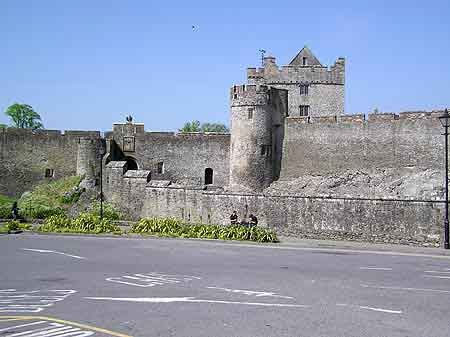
[[208, 176], [131, 163]]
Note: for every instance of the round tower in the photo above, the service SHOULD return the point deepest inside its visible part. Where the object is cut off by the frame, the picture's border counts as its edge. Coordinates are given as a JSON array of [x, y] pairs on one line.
[[87, 161], [251, 165]]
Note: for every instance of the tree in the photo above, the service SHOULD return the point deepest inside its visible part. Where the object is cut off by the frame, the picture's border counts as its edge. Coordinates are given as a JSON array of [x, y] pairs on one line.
[[23, 116], [214, 127], [195, 126], [3, 126]]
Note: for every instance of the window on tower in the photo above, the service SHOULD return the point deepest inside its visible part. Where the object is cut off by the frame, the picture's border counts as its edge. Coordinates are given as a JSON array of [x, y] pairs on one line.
[[266, 150], [250, 113], [304, 89], [304, 110], [305, 61]]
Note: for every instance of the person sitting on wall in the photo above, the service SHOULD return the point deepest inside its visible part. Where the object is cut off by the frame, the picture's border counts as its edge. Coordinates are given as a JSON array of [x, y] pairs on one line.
[[253, 220], [15, 211], [234, 218]]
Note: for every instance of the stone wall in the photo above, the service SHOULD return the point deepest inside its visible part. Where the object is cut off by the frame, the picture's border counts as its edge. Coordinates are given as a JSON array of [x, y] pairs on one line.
[[322, 99], [184, 156], [379, 220], [327, 146], [25, 155]]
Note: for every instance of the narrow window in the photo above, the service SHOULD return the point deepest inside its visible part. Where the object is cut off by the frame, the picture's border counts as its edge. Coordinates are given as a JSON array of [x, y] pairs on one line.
[[49, 173], [304, 110], [250, 113], [266, 150], [160, 167], [305, 61], [304, 89], [235, 96], [208, 176]]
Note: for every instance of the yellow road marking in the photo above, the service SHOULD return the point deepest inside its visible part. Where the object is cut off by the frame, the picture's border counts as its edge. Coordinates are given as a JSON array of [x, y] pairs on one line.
[[10, 320], [84, 326]]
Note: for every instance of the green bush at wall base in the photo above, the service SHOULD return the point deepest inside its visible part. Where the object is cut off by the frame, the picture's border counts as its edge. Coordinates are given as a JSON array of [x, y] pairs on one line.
[[109, 211], [14, 225], [84, 223], [175, 228]]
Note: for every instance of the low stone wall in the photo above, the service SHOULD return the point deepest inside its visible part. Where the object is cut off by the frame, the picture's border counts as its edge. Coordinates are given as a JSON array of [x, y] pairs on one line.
[[376, 220]]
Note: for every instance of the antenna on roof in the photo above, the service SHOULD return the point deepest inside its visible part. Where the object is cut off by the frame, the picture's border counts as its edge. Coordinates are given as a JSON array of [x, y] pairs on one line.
[[262, 51]]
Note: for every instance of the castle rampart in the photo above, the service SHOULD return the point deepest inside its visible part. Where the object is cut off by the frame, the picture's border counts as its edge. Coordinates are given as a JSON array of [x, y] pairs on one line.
[[183, 158], [326, 146], [28, 157]]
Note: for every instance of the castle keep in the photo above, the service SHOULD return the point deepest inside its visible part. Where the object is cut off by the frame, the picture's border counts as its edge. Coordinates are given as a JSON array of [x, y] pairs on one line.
[[293, 158]]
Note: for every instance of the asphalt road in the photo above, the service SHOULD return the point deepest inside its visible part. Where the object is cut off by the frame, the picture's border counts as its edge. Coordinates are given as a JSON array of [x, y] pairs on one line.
[[84, 286]]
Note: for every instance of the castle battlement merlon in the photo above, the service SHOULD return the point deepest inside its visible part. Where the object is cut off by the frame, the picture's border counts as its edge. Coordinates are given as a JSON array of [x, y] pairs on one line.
[[387, 118], [249, 95], [294, 73]]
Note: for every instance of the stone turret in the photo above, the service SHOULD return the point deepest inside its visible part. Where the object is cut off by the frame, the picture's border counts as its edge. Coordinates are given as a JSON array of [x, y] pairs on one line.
[[255, 112], [88, 160]]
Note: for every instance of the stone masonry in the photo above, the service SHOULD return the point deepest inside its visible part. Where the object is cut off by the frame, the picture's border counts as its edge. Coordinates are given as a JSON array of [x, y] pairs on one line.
[[306, 172]]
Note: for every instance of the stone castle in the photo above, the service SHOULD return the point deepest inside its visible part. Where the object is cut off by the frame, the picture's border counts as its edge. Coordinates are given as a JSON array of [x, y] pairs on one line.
[[293, 157]]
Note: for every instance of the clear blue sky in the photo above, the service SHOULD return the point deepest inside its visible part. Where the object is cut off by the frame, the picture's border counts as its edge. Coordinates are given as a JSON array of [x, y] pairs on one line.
[[86, 64]]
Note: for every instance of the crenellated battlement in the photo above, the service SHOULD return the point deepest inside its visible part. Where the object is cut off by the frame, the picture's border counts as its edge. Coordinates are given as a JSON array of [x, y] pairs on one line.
[[387, 117], [249, 95], [255, 73], [294, 74], [48, 134]]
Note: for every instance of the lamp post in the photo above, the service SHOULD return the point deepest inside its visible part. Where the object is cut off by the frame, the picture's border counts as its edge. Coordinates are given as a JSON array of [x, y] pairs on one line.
[[445, 121], [101, 154]]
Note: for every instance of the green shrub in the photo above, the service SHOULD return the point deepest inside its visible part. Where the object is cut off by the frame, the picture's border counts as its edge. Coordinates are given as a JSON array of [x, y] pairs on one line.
[[50, 198], [6, 206], [13, 225], [174, 228], [72, 196], [5, 212], [84, 223], [110, 212]]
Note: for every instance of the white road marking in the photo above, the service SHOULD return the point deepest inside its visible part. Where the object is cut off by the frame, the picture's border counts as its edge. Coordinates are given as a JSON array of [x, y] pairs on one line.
[[46, 329], [193, 300], [437, 276], [437, 272], [406, 289], [54, 252], [390, 311], [382, 310], [21, 326], [251, 292], [30, 301], [151, 279], [375, 268]]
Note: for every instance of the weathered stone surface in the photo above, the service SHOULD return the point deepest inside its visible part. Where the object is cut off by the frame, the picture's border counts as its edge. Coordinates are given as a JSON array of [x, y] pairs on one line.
[[25, 155]]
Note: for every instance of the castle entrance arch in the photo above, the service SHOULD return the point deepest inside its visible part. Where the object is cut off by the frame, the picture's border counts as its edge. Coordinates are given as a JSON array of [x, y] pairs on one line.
[[131, 163]]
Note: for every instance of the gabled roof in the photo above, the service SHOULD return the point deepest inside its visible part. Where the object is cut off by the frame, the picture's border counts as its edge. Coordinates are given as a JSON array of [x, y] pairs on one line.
[[305, 53]]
